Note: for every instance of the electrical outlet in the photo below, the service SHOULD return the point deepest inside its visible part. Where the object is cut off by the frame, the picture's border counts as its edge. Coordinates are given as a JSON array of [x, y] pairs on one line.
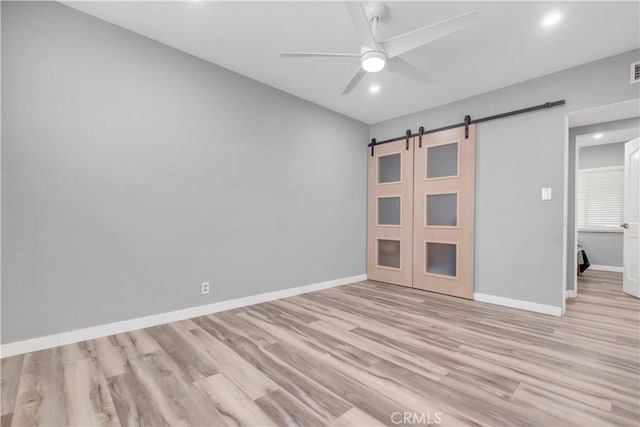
[[205, 288]]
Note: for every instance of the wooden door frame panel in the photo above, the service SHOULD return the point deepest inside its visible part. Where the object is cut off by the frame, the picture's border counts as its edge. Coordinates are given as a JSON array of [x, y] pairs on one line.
[[404, 232], [462, 285]]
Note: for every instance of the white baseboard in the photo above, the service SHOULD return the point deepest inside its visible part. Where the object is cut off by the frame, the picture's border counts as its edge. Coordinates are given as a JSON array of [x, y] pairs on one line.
[[516, 303], [571, 293], [606, 268], [70, 337]]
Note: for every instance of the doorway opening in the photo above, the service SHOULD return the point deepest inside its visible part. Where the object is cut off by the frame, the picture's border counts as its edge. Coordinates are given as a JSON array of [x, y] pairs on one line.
[[599, 249]]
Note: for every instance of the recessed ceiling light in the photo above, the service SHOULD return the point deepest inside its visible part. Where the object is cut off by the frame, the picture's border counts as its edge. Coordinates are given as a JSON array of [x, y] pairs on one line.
[[597, 135], [551, 18], [374, 89]]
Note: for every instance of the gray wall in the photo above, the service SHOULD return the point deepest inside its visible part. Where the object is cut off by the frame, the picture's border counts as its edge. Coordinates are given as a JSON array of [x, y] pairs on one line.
[[132, 172], [518, 244], [602, 248], [602, 156]]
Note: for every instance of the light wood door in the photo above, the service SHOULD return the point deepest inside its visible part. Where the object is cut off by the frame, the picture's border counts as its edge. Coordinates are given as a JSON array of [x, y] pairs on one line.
[[390, 214], [444, 206], [631, 279]]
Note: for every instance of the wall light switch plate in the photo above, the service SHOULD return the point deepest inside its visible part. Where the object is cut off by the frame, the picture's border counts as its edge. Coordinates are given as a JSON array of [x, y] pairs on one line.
[[205, 288], [546, 193]]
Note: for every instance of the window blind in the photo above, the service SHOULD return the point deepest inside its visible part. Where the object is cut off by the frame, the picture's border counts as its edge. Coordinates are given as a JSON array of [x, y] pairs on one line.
[[600, 198]]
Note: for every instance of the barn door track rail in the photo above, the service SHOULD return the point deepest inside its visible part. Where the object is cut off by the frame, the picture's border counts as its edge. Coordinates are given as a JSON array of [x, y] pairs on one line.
[[466, 123]]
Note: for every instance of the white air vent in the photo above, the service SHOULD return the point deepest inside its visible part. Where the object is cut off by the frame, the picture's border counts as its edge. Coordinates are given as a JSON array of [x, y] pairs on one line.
[[635, 72]]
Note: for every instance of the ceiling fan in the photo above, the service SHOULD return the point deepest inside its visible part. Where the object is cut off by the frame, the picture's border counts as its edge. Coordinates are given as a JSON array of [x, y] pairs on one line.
[[377, 55]]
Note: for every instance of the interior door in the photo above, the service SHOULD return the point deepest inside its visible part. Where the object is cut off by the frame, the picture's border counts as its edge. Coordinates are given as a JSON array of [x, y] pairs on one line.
[[444, 204], [630, 281], [390, 213]]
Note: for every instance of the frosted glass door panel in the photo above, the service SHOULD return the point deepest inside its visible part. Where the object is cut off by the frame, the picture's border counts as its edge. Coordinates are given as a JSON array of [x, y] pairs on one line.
[[442, 161], [389, 168], [442, 210], [389, 253], [441, 259], [389, 210]]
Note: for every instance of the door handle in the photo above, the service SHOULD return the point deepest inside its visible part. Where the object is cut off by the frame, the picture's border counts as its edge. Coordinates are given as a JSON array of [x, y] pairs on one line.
[[625, 225]]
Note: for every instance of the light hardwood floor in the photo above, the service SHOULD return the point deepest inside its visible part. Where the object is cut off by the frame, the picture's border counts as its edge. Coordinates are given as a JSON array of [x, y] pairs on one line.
[[353, 355]]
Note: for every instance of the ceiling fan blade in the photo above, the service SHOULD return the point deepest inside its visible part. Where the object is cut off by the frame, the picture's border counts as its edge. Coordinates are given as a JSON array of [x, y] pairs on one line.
[[354, 81], [318, 54], [402, 67], [361, 24], [408, 41]]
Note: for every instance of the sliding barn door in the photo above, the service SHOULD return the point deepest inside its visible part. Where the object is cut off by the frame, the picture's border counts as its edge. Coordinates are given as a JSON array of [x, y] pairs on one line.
[[444, 198], [390, 214]]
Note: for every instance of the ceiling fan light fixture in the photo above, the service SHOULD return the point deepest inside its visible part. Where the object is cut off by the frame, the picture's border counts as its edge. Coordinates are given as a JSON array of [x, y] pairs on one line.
[[374, 61]]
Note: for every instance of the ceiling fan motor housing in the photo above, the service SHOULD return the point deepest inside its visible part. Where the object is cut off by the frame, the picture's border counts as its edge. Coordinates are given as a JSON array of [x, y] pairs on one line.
[[375, 9]]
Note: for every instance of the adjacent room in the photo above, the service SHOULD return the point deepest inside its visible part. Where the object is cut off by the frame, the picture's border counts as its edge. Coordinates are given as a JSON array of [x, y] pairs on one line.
[[320, 213], [602, 192]]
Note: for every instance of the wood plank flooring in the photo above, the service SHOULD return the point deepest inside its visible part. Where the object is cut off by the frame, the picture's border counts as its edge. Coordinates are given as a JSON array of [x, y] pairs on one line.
[[357, 355]]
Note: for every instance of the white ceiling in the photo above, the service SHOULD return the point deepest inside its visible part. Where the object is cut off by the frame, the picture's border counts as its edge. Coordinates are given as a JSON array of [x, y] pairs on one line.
[[609, 137], [507, 45]]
